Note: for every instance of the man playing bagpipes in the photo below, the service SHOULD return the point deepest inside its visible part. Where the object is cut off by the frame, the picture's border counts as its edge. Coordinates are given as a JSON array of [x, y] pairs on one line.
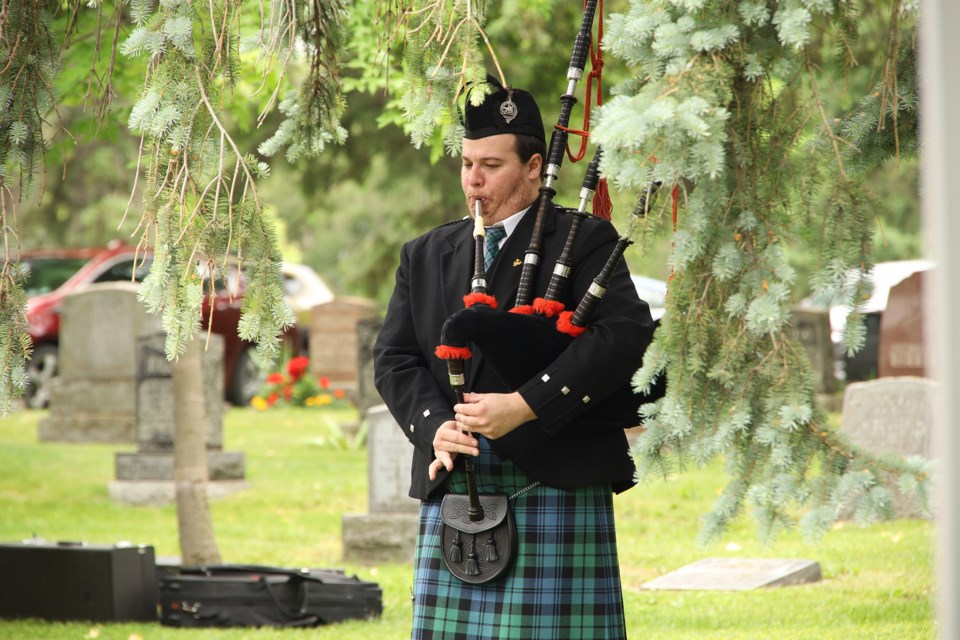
[[543, 440]]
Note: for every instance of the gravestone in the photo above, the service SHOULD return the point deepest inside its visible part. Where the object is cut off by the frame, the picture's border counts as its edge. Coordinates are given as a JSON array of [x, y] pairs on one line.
[[388, 532], [93, 399], [367, 395], [146, 476], [892, 415], [811, 328], [901, 329], [334, 340], [155, 408], [738, 574]]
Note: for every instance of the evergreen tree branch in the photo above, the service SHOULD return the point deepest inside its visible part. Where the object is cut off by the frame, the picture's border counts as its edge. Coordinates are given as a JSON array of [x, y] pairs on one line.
[[827, 126], [731, 123], [225, 136]]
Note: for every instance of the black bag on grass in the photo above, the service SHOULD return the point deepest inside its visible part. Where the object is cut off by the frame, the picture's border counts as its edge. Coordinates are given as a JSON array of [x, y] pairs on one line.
[[256, 596]]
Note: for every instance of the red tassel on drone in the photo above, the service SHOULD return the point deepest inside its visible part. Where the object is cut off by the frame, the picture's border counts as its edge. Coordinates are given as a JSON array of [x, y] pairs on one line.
[[446, 352], [524, 309], [549, 308], [479, 298], [565, 325]]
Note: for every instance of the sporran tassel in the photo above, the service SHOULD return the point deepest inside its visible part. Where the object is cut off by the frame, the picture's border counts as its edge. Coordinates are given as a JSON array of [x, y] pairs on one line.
[[490, 551], [454, 554], [471, 568]]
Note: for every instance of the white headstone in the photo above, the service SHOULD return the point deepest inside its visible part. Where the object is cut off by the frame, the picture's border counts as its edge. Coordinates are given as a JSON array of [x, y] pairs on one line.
[[738, 574], [388, 532], [389, 456], [891, 415]]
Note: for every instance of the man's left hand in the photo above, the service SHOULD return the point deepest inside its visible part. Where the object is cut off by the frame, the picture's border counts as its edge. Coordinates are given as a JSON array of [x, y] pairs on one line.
[[493, 415]]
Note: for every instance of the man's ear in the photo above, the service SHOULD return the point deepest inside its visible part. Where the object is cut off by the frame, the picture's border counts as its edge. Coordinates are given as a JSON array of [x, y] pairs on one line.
[[535, 166]]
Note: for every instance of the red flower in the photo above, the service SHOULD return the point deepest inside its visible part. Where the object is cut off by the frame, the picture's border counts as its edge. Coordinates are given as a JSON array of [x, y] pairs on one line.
[[275, 378], [287, 392], [324, 382], [272, 399], [339, 394], [297, 367]]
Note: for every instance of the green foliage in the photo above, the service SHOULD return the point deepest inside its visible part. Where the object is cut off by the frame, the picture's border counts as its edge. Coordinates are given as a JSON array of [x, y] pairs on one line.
[[200, 198], [27, 68], [15, 344], [727, 105], [313, 112], [442, 55]]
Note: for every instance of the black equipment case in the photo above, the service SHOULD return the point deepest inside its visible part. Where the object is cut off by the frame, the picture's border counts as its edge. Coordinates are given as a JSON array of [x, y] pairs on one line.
[[255, 596], [78, 581]]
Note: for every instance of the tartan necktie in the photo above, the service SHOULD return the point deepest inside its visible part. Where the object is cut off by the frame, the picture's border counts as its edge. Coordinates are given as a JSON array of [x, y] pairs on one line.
[[492, 245]]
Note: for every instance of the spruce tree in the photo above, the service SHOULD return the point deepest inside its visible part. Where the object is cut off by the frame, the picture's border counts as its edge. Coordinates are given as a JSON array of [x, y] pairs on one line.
[[727, 104], [28, 63]]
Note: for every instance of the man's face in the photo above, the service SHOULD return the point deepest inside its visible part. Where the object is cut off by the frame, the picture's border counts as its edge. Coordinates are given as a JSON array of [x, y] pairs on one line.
[[492, 173]]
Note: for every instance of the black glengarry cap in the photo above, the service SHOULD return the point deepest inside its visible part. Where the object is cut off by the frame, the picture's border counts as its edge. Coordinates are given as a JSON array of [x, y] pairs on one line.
[[505, 110]]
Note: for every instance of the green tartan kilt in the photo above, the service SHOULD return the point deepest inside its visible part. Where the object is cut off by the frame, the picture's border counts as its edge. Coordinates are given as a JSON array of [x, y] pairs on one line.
[[565, 583]]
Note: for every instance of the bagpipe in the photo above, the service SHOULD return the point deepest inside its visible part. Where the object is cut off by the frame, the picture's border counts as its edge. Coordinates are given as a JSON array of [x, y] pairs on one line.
[[519, 343]]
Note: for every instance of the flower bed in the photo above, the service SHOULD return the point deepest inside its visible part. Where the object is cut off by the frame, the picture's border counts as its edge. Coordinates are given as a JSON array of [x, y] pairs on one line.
[[294, 387]]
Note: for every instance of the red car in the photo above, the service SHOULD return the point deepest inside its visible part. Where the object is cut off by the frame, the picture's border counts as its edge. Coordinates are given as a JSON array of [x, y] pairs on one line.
[[54, 273]]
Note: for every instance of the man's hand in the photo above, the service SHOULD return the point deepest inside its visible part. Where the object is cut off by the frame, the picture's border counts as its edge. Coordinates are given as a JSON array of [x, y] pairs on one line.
[[493, 415], [447, 443]]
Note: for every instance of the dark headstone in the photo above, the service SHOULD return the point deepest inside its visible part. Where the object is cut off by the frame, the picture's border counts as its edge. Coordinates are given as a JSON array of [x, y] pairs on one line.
[[334, 340], [367, 395], [901, 329], [811, 328]]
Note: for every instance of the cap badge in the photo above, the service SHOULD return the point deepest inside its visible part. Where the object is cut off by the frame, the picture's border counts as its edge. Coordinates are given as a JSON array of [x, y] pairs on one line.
[[508, 109]]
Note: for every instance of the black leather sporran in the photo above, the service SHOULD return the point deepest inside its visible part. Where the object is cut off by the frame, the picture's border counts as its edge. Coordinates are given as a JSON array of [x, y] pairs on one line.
[[477, 551]]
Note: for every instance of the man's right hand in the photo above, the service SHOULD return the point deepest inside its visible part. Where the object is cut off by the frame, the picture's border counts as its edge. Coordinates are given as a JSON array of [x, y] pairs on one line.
[[447, 443]]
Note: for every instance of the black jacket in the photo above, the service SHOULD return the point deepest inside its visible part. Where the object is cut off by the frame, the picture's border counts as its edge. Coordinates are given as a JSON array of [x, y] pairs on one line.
[[563, 447]]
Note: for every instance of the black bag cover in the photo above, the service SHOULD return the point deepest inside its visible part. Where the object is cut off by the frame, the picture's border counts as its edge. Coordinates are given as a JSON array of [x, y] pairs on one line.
[[256, 596]]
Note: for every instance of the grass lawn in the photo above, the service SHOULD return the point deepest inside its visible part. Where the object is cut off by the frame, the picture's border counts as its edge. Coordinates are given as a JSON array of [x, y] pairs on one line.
[[877, 580]]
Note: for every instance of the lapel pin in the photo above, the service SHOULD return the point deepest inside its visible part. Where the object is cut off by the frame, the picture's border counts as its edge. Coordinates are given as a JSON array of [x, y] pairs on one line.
[[517, 262]]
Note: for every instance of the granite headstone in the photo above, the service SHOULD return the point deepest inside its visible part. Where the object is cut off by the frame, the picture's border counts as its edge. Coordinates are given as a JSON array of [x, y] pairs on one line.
[[895, 416], [93, 399], [146, 476], [388, 532], [738, 574]]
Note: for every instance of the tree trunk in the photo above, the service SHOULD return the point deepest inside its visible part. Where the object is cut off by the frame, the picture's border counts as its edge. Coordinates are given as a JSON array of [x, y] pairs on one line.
[[190, 473]]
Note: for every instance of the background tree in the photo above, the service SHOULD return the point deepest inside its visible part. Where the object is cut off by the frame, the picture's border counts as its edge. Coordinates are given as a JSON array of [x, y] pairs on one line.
[[190, 470], [729, 99]]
